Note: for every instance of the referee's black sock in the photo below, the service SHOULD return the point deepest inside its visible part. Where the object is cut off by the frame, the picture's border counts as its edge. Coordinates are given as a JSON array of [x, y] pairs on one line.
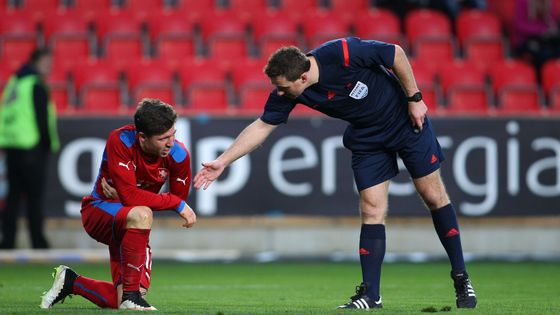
[[372, 252], [447, 228]]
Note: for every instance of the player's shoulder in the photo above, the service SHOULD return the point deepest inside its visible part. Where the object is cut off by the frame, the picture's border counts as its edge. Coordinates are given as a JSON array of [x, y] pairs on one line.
[[179, 152], [125, 135]]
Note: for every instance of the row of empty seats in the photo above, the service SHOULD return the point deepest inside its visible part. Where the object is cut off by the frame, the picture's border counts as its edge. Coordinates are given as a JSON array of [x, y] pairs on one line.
[[225, 36], [200, 85], [192, 53]]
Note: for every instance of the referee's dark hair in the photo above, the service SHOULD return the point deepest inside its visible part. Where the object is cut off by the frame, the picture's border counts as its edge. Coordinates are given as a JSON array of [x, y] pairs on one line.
[[37, 54], [154, 117], [289, 62]]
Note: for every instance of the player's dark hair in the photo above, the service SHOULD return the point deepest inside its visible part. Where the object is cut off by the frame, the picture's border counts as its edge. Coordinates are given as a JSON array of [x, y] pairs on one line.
[[289, 62], [37, 54], [154, 117]]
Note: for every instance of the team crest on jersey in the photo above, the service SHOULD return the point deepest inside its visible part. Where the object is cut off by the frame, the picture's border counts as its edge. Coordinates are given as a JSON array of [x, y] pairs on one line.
[[162, 174], [359, 91]]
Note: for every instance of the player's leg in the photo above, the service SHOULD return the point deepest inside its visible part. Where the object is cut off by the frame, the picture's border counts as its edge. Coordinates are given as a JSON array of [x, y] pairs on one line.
[[35, 181], [98, 221], [134, 244], [373, 208], [433, 193], [11, 210], [422, 156], [372, 172]]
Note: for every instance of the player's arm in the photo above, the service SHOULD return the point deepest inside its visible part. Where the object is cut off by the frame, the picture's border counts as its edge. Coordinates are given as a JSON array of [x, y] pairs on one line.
[[403, 71], [180, 179], [248, 140], [121, 170]]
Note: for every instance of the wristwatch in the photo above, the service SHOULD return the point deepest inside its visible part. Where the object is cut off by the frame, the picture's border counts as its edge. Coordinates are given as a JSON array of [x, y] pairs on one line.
[[417, 97]]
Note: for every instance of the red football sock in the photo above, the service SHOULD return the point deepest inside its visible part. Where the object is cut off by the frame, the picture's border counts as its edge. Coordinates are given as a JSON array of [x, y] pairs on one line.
[[133, 249], [101, 293]]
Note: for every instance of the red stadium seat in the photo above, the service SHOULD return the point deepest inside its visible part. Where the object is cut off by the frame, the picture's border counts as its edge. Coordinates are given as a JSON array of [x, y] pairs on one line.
[[143, 9], [59, 87], [97, 85], [225, 36], [349, 9], [246, 10], [253, 96], [193, 10], [379, 24], [485, 53], [424, 23], [120, 35], [272, 31], [480, 35], [297, 10], [429, 34], [251, 84], [434, 50], [18, 38], [477, 24], [515, 84], [204, 83], [150, 79], [172, 36], [464, 86], [519, 100], [37, 10], [512, 72], [550, 74], [67, 35], [90, 10], [322, 26]]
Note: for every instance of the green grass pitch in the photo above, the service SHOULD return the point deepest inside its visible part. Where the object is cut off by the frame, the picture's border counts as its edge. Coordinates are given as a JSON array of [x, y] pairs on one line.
[[299, 288]]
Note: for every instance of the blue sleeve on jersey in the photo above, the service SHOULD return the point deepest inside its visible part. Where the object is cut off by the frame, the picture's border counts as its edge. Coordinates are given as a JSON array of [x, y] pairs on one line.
[[178, 153], [180, 207], [128, 137], [367, 53], [277, 109]]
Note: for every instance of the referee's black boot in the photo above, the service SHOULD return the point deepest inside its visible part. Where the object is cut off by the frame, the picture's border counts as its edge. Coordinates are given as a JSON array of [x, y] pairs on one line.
[[464, 291], [361, 300]]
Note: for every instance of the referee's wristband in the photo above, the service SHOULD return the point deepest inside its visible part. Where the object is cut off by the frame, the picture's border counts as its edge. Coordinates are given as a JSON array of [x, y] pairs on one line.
[[416, 97]]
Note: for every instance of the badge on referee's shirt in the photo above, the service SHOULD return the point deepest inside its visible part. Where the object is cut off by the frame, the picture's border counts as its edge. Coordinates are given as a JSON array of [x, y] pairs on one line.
[[359, 91]]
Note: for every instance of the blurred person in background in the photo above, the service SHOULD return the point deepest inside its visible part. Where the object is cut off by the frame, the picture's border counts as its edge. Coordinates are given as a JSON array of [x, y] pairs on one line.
[[536, 33], [349, 79], [137, 161], [28, 134]]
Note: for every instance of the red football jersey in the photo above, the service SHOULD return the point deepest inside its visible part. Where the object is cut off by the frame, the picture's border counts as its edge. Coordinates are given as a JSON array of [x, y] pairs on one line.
[[138, 177]]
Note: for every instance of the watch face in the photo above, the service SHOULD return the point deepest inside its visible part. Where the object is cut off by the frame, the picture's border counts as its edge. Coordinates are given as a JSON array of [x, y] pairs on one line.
[[416, 97]]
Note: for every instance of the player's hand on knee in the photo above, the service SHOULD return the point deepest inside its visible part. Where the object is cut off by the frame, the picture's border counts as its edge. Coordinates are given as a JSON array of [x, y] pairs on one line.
[[188, 215], [109, 191]]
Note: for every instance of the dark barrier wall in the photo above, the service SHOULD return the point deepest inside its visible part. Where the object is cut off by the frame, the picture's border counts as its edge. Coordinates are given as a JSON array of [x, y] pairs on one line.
[[494, 167]]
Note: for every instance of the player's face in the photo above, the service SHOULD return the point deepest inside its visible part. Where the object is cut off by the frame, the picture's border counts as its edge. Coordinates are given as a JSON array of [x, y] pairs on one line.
[[160, 145], [290, 89]]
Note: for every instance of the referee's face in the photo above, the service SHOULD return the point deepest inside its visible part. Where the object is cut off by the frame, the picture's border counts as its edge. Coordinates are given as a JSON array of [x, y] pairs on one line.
[[289, 89]]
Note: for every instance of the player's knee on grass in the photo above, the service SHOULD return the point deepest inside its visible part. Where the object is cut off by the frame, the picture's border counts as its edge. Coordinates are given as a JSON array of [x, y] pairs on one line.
[[139, 218]]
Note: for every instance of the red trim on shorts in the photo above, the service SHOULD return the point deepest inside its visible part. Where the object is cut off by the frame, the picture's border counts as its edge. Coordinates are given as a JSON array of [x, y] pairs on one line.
[[345, 52]]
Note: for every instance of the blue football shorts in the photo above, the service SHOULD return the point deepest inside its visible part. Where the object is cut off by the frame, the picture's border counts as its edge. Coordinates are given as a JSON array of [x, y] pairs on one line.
[[374, 152]]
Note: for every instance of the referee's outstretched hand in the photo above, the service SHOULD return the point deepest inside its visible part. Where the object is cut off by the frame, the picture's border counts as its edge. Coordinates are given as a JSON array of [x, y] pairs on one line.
[[209, 172]]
